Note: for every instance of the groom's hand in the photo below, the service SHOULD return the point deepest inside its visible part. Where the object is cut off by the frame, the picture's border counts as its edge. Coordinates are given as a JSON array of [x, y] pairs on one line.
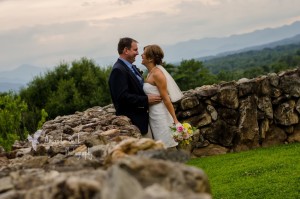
[[154, 99]]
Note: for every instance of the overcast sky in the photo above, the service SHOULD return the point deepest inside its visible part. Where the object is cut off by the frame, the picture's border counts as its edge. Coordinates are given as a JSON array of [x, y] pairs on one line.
[[45, 33]]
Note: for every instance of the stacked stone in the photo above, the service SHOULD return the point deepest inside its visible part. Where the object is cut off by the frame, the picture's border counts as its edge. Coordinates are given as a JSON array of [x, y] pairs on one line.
[[245, 114], [95, 154]]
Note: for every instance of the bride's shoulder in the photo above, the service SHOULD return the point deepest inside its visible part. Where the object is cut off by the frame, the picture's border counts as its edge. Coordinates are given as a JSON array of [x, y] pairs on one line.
[[159, 76], [158, 69], [158, 73]]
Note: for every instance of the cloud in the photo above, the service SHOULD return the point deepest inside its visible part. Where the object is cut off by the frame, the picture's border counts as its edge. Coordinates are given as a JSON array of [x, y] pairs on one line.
[[45, 32], [126, 1], [210, 2], [89, 3]]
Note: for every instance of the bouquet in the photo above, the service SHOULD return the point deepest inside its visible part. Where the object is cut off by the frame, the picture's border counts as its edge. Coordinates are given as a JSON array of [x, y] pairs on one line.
[[183, 133]]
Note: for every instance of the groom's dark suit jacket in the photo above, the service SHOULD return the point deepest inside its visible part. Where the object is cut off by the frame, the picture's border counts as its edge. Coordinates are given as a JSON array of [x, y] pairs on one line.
[[128, 96]]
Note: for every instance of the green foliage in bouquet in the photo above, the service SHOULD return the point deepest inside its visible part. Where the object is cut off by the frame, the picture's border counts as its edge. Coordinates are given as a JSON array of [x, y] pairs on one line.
[[183, 134]]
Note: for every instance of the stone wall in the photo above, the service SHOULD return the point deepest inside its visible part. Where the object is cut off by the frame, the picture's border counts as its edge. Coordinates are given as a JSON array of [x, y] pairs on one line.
[[247, 114], [95, 154]]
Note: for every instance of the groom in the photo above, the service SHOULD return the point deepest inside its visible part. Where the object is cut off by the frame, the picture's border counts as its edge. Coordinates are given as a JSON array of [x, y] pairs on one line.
[[126, 86]]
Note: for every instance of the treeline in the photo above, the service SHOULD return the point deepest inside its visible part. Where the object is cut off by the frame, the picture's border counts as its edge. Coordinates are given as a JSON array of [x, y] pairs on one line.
[[83, 84], [192, 73], [62, 91], [253, 63]]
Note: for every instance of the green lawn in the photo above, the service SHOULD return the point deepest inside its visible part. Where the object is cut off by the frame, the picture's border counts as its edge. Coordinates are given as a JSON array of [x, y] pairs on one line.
[[261, 173]]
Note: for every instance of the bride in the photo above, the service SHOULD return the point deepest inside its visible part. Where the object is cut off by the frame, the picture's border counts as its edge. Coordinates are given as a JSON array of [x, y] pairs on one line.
[[159, 81]]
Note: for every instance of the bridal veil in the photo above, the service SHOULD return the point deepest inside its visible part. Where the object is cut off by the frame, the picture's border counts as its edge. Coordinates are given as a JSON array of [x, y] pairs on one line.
[[173, 89]]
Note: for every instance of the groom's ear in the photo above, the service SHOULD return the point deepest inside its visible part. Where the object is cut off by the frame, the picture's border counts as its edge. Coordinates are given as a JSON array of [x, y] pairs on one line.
[[125, 50]]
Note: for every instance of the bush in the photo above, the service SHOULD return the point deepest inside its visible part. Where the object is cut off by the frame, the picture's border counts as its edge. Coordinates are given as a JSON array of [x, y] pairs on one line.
[[12, 127], [65, 90]]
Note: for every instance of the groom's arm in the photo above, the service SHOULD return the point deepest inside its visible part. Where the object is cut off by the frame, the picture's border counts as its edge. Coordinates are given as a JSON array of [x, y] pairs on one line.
[[154, 99], [119, 86]]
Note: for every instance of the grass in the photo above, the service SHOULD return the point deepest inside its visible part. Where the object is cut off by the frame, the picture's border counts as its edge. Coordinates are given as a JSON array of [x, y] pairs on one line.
[[261, 173]]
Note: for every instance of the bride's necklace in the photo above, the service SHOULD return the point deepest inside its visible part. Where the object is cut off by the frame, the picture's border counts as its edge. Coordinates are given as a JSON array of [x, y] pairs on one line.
[[150, 71]]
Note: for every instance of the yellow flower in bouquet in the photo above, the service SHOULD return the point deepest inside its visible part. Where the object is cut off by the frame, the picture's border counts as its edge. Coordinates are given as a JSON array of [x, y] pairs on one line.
[[183, 133]]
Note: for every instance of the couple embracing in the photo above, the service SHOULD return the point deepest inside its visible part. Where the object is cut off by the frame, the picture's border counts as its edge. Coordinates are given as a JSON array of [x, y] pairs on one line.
[[148, 103]]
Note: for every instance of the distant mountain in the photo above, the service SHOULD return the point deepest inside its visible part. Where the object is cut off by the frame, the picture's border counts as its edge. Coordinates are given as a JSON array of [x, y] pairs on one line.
[[213, 46], [19, 77], [261, 59], [206, 48], [5, 86], [283, 42], [287, 41]]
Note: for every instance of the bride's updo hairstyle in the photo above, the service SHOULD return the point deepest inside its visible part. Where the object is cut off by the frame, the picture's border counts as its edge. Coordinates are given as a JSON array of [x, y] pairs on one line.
[[155, 53]]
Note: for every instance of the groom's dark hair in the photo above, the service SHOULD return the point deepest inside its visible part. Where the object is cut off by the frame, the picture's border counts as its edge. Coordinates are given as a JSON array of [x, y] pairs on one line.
[[125, 42]]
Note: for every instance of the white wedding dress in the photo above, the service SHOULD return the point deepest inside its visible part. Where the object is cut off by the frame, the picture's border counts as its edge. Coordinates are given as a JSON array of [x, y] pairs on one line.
[[160, 119]]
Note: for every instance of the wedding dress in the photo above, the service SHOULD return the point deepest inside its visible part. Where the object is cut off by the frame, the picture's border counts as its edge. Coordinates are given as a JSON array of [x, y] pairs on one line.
[[160, 119]]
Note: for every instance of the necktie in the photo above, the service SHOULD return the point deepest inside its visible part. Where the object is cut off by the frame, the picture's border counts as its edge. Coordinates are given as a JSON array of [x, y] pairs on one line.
[[137, 74]]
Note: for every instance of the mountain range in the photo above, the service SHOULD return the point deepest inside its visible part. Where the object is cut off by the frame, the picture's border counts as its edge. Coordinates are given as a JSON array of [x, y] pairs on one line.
[[19, 77], [200, 49], [291, 40], [214, 46]]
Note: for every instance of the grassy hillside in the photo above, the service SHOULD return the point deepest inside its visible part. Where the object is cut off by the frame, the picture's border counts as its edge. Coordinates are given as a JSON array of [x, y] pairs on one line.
[[262, 173]]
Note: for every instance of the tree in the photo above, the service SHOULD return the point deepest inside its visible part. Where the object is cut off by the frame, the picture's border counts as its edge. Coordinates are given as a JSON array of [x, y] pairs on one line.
[[65, 90], [11, 119], [172, 69], [191, 74]]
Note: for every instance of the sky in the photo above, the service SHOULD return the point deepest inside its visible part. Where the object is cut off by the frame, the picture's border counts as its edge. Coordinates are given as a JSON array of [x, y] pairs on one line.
[[45, 33]]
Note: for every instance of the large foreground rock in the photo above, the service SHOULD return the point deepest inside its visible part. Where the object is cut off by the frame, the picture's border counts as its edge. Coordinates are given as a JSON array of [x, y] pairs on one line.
[[95, 154]]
